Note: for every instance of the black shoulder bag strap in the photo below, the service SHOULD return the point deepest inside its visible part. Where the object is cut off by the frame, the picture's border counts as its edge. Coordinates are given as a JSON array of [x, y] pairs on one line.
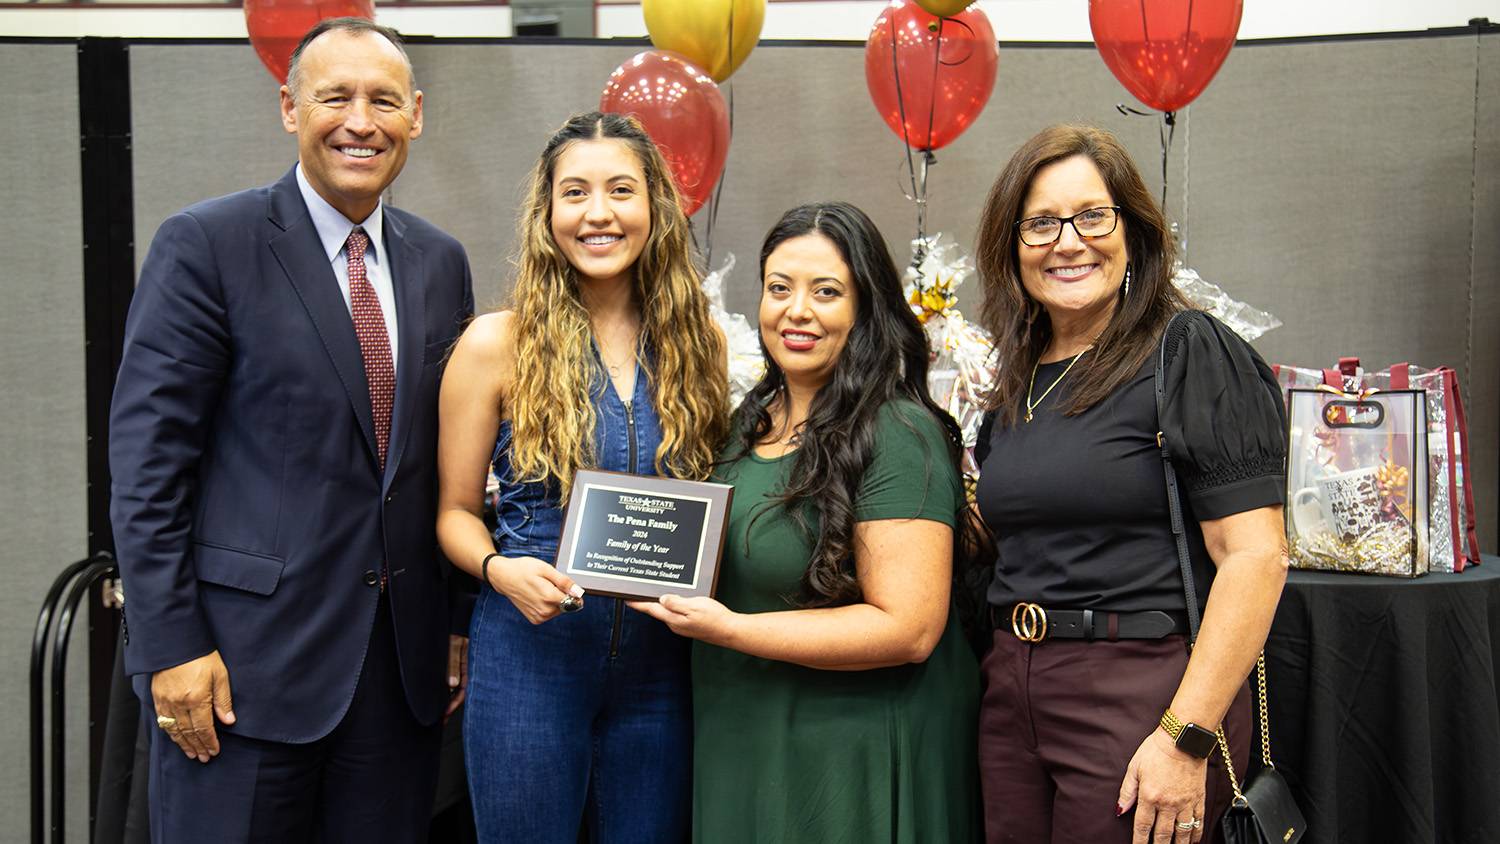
[[1264, 811], [1174, 496]]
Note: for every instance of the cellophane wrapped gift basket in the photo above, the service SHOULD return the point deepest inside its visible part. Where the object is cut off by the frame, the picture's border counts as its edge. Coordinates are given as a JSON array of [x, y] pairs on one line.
[[1454, 543], [1357, 480]]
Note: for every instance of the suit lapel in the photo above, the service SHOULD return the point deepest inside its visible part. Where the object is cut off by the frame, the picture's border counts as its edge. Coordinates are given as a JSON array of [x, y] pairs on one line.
[[411, 320], [300, 254]]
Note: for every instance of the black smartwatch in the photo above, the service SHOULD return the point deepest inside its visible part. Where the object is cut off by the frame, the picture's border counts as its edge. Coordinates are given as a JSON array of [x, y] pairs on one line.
[[1189, 738]]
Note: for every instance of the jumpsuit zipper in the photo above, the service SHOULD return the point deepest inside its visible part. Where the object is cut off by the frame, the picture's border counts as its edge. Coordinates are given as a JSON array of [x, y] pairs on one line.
[[614, 636]]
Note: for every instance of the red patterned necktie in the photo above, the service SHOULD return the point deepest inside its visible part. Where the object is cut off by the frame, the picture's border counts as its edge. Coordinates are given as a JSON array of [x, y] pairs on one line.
[[374, 343]]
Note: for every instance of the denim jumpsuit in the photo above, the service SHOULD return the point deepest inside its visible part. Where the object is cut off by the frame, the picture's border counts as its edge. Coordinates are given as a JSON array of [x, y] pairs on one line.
[[586, 717]]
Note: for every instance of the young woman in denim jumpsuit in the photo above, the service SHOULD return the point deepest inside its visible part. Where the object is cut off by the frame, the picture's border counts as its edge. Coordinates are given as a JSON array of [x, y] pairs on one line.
[[578, 710]]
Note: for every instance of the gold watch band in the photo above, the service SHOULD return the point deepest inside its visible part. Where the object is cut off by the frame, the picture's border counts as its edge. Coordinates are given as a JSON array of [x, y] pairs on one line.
[[1189, 738], [1172, 724]]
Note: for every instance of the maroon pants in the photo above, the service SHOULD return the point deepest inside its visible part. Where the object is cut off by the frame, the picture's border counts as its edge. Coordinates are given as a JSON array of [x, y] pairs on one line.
[[1059, 723]]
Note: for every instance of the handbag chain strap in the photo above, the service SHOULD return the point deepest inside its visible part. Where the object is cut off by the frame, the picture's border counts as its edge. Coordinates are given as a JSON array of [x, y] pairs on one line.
[[1190, 592], [1234, 781], [1265, 732]]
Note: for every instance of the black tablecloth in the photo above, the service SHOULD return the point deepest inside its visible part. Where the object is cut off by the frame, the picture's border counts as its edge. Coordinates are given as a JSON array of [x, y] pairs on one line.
[[1385, 709]]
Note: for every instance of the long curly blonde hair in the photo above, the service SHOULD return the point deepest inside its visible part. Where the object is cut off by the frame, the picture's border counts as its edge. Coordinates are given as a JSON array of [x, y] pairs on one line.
[[552, 415]]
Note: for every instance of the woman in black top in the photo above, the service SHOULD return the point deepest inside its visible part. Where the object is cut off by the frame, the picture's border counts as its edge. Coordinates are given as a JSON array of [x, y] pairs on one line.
[[1104, 704]]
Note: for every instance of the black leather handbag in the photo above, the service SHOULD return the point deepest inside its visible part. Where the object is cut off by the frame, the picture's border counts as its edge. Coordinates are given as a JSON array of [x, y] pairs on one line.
[[1264, 813]]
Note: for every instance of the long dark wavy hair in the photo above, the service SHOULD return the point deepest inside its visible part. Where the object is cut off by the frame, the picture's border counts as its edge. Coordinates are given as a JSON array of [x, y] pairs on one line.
[[1020, 327], [885, 359]]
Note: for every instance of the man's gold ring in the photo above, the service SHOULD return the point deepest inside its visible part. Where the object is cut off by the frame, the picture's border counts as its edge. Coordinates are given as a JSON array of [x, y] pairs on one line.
[[166, 722], [1189, 825]]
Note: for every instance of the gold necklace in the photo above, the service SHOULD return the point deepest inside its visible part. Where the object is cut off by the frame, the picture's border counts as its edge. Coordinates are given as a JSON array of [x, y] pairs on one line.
[[616, 367], [1032, 405]]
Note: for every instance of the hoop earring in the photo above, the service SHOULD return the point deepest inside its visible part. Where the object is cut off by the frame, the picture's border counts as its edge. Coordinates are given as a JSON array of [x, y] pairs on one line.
[[1125, 289]]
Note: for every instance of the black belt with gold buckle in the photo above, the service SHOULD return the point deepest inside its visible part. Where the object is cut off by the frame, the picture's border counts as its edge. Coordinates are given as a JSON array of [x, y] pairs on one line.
[[1033, 623]]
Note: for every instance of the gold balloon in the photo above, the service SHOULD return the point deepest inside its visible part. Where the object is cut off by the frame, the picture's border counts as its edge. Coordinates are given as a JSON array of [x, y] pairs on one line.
[[945, 8], [698, 30]]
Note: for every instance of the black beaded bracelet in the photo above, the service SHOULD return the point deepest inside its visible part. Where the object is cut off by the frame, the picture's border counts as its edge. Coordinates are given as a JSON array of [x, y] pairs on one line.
[[484, 569]]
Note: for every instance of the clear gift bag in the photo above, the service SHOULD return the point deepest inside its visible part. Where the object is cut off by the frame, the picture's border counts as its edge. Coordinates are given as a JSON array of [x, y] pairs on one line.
[[1347, 376], [1357, 481], [1455, 544]]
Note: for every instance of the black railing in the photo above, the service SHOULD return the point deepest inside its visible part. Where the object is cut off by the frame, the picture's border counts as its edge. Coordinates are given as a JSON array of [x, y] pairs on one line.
[[54, 626]]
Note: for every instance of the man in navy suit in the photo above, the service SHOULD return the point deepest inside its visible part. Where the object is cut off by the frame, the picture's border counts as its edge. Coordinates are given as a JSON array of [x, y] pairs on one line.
[[273, 447]]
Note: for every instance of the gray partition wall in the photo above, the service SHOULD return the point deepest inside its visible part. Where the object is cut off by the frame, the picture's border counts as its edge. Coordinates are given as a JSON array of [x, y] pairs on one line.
[[1347, 185], [43, 502], [1483, 358], [1351, 188]]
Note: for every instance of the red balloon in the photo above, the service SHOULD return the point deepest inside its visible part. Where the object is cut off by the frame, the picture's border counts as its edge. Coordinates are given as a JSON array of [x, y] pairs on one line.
[[1165, 52], [944, 68], [276, 26], [683, 112]]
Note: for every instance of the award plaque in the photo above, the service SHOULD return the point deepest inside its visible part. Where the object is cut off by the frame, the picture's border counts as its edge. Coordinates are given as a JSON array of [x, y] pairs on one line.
[[629, 536]]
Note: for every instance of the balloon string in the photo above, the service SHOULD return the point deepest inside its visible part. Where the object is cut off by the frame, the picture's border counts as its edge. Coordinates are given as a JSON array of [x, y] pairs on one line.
[[1166, 132], [1170, 120], [918, 182], [729, 42], [928, 159], [713, 205], [911, 170], [1187, 184], [937, 63]]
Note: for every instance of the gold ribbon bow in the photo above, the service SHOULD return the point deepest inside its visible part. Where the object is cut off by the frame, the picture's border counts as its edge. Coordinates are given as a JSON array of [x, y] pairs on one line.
[[937, 299], [1392, 480]]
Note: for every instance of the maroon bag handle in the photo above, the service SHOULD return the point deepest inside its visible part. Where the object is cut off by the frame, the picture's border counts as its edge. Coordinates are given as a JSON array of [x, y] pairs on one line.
[[1400, 376], [1342, 374], [1461, 424]]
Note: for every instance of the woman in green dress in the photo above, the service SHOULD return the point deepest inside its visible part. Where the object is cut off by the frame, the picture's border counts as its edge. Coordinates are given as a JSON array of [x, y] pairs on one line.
[[834, 696]]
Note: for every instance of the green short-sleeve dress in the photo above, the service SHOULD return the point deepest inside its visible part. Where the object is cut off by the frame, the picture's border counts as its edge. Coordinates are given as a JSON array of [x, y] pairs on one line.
[[784, 753]]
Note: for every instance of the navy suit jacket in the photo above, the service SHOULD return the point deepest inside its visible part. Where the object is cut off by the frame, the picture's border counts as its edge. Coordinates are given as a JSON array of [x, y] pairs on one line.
[[250, 513]]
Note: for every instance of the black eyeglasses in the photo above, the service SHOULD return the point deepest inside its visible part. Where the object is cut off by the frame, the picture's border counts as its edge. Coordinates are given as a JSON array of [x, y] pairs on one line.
[[1090, 222]]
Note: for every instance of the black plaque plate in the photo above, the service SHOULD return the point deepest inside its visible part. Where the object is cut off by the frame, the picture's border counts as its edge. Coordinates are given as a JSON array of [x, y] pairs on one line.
[[629, 536]]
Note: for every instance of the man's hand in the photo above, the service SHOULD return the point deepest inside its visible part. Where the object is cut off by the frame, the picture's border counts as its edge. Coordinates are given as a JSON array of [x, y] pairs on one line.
[[458, 672], [193, 693]]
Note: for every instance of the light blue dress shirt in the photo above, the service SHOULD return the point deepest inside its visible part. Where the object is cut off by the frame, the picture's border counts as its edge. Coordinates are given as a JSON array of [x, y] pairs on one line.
[[333, 231]]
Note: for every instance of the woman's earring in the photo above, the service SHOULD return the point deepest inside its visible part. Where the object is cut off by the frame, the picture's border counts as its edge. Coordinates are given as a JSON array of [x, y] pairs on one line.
[[1126, 290]]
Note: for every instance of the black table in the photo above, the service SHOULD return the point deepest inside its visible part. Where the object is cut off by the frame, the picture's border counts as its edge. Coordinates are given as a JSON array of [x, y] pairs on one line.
[[1385, 707]]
